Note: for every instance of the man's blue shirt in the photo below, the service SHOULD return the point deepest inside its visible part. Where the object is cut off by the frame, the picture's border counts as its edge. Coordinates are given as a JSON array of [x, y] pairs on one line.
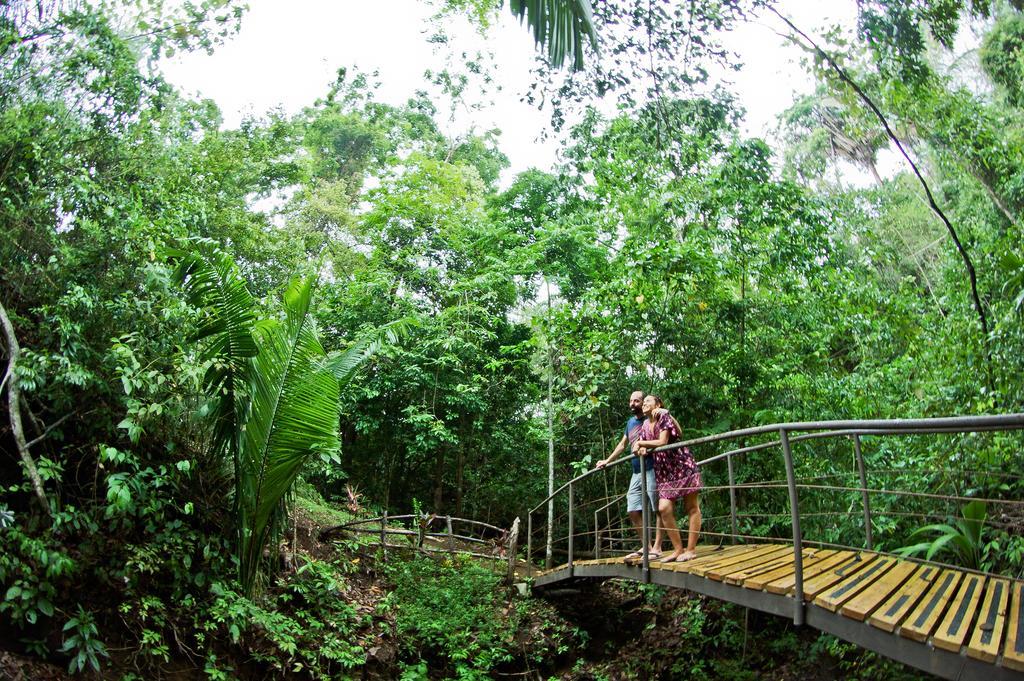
[[632, 434]]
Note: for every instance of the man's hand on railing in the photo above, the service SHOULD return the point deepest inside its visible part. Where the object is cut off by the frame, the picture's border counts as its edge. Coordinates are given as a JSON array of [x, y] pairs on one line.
[[601, 464]]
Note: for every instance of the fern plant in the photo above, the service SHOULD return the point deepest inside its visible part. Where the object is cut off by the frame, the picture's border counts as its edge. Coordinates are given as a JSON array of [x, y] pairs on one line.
[[962, 540]]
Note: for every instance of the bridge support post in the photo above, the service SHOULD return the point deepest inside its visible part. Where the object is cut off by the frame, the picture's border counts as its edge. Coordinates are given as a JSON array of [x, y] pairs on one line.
[[597, 537], [868, 543], [732, 497], [798, 551], [571, 529]]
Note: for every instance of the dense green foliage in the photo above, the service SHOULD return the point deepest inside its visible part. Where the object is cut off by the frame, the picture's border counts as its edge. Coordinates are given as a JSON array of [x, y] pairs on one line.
[[196, 318]]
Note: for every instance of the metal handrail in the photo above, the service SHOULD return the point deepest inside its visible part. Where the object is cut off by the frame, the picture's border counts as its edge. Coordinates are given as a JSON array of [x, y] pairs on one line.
[[930, 426], [854, 429]]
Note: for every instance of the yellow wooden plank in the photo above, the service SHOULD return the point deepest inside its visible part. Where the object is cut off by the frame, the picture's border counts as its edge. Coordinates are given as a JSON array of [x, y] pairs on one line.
[[703, 568], [988, 632], [891, 583], [956, 624], [811, 558], [703, 552], [706, 551], [710, 559], [712, 549], [920, 623], [785, 584], [892, 611], [1013, 653], [779, 561], [829, 578], [856, 582], [719, 573]]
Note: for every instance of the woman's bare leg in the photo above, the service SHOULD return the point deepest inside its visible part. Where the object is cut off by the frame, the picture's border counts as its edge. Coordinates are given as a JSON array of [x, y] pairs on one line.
[[659, 534], [667, 511], [692, 508]]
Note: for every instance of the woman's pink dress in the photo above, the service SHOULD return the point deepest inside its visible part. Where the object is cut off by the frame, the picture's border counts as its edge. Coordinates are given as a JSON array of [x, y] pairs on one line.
[[675, 469]]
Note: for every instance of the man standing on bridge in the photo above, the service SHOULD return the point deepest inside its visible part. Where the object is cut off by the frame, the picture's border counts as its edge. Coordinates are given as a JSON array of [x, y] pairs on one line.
[[634, 497]]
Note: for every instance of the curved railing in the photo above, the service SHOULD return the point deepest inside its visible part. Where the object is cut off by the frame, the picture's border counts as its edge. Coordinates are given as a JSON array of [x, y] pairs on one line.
[[435, 533], [592, 525]]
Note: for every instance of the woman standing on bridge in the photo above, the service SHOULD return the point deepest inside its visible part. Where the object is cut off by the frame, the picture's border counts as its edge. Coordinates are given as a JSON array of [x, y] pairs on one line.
[[677, 475]]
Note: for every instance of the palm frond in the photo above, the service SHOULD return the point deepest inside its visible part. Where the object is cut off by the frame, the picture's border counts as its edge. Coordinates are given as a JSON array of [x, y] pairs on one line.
[[345, 363], [293, 414], [561, 26], [212, 283]]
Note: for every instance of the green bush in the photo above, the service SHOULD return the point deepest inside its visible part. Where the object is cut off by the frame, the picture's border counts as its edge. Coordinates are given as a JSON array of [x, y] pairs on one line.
[[451, 614]]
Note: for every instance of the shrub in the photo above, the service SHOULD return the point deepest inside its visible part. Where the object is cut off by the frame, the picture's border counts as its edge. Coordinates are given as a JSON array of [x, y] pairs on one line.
[[451, 613]]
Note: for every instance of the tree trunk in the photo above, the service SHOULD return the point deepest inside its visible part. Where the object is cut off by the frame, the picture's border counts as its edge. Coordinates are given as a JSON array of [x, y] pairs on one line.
[[551, 439], [460, 466], [438, 481], [999, 203], [14, 410], [874, 172]]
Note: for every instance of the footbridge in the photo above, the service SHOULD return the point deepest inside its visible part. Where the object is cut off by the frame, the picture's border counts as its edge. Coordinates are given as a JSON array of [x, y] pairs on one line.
[[806, 521]]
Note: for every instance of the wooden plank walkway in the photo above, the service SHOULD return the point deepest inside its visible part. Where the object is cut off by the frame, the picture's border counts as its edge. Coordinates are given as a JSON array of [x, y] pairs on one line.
[[952, 623]]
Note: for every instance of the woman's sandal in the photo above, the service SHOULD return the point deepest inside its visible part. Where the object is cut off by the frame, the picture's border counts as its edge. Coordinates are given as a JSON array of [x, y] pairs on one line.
[[638, 555]]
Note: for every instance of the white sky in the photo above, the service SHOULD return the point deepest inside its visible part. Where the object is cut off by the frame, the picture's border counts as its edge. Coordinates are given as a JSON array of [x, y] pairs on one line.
[[287, 53]]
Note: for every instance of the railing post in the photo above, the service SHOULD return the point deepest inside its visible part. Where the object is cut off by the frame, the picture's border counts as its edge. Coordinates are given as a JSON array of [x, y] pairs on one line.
[[383, 538], [645, 522], [529, 544], [512, 549], [597, 537], [863, 492], [571, 530], [732, 497], [794, 506]]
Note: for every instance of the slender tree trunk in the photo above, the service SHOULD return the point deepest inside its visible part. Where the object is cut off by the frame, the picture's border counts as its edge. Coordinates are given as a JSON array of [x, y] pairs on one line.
[[460, 467], [551, 438], [874, 172], [391, 456], [438, 480], [999, 203], [14, 410], [743, 291]]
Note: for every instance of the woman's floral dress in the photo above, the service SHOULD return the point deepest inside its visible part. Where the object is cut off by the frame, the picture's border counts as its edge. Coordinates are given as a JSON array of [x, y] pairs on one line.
[[675, 470]]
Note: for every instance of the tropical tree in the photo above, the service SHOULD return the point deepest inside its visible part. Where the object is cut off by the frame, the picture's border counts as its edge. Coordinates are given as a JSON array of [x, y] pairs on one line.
[[275, 391]]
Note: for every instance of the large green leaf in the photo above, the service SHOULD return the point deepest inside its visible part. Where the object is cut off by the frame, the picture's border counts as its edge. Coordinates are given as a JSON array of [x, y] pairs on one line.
[[559, 25], [344, 364], [293, 415], [213, 283], [963, 537]]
